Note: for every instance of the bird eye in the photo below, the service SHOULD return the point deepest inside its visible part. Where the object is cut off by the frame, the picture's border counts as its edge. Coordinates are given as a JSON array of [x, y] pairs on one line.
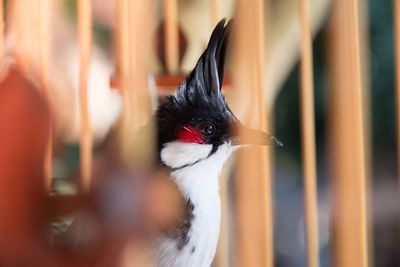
[[206, 128]]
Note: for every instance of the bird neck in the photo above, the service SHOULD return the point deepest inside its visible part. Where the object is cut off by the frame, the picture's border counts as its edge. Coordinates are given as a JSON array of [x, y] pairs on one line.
[[198, 180], [199, 184]]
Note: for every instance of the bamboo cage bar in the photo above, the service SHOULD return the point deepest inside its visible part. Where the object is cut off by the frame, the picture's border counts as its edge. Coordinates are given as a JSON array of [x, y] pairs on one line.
[[308, 136], [134, 36], [348, 138], [2, 27], [133, 41], [171, 35], [215, 12], [222, 254], [85, 43], [23, 24], [396, 6], [123, 41], [359, 126], [253, 178], [124, 67], [265, 159], [43, 8]]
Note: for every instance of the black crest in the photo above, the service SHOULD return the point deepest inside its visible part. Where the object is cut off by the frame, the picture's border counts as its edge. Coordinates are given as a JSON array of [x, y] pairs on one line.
[[207, 77], [199, 97]]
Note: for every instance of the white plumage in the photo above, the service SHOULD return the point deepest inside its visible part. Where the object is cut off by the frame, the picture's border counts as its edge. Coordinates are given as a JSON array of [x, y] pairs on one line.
[[199, 183]]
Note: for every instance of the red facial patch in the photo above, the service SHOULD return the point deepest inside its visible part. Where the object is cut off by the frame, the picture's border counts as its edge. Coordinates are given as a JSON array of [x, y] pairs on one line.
[[189, 134]]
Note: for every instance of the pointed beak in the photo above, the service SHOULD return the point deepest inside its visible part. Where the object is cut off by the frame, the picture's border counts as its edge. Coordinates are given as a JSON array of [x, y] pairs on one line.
[[248, 136]]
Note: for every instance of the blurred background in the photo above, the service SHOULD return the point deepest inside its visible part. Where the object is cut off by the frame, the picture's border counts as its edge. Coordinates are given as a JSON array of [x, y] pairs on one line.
[[380, 80], [282, 99]]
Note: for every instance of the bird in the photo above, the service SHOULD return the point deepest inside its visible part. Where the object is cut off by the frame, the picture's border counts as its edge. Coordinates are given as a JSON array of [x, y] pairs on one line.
[[196, 134]]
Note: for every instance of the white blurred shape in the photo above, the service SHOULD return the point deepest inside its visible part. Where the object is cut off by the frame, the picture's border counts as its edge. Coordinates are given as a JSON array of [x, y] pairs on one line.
[[104, 103], [23, 46]]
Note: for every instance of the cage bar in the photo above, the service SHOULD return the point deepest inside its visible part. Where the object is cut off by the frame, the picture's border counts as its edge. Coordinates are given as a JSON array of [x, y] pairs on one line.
[[253, 178], [350, 244], [215, 11], [2, 29], [222, 254], [124, 66], [43, 15], [396, 6], [171, 35], [134, 38], [85, 43], [122, 41], [308, 136]]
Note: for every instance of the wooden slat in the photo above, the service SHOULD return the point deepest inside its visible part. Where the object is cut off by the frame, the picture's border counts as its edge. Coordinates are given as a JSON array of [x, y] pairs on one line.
[[308, 136], [359, 140], [215, 12], [43, 9], [123, 40], [253, 179], [2, 45], [347, 132], [171, 35], [396, 6], [43, 15], [85, 43], [24, 26], [135, 25], [265, 157], [222, 255], [124, 69], [171, 82]]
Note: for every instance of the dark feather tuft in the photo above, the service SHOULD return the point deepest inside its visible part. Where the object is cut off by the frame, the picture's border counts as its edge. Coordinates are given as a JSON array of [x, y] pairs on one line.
[[208, 74], [199, 97]]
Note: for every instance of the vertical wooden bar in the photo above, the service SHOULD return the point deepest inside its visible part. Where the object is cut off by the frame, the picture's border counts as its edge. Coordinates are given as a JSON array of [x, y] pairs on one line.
[[359, 129], [135, 20], [43, 9], [265, 157], [1, 29], [85, 43], [253, 179], [135, 27], [43, 16], [24, 26], [308, 136], [123, 39], [396, 6], [222, 255], [215, 12], [124, 69], [171, 35], [347, 132]]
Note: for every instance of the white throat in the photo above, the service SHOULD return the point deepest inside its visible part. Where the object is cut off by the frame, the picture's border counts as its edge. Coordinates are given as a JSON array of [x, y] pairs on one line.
[[196, 173]]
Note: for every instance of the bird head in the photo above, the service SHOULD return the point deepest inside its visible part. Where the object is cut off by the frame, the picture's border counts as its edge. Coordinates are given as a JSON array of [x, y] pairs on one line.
[[196, 122]]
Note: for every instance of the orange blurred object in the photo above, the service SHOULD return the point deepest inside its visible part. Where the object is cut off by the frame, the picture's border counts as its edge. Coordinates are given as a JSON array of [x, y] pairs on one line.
[[24, 123]]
